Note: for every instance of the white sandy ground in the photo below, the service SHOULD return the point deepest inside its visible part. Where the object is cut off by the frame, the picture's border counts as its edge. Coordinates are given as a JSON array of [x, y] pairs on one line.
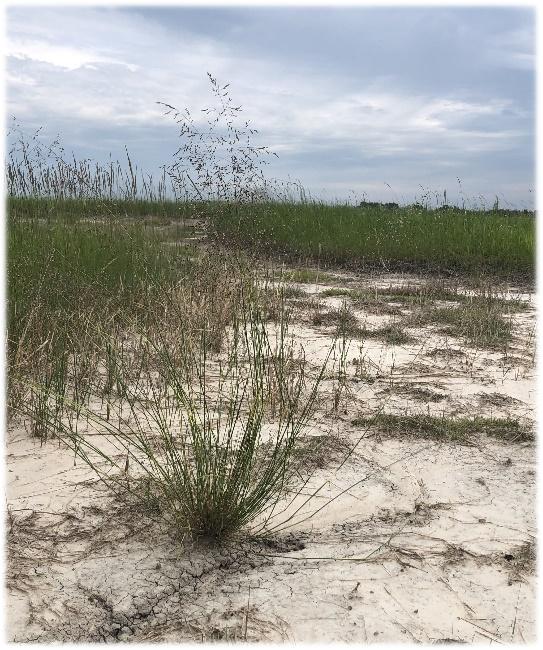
[[426, 541]]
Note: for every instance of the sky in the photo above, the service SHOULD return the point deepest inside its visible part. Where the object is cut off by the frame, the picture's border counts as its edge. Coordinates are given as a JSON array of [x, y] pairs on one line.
[[386, 104]]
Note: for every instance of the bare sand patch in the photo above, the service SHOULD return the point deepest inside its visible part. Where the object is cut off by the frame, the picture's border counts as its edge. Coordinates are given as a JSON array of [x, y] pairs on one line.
[[407, 539]]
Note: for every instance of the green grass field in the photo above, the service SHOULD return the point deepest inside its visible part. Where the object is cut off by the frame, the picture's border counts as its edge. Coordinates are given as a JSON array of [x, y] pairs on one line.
[[58, 267], [42, 207], [447, 240], [410, 237]]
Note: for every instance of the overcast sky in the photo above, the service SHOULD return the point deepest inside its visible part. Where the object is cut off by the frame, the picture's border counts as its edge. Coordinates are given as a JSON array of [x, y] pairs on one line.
[[382, 101]]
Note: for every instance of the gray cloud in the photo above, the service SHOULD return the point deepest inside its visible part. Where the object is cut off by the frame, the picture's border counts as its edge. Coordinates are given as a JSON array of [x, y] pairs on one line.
[[350, 99]]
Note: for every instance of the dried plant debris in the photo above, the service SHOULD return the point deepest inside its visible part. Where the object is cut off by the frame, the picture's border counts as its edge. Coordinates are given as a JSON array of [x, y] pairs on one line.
[[420, 392], [500, 400]]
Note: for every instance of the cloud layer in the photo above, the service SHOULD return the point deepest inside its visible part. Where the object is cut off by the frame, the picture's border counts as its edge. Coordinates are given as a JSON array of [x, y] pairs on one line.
[[377, 101]]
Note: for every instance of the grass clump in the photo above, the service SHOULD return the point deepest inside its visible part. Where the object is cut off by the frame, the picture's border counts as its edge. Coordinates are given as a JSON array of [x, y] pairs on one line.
[[392, 334], [480, 322], [194, 443], [343, 318], [338, 292], [347, 325], [422, 294], [289, 292], [446, 429]]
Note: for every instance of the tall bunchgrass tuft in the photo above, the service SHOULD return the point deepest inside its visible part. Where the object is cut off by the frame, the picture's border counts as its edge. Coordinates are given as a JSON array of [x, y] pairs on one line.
[[192, 443]]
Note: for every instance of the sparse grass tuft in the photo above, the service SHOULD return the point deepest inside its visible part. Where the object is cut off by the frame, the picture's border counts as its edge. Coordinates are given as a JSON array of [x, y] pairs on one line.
[[293, 292], [338, 292], [392, 334], [480, 322], [347, 325], [446, 429], [318, 452], [522, 559], [343, 318], [308, 276]]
